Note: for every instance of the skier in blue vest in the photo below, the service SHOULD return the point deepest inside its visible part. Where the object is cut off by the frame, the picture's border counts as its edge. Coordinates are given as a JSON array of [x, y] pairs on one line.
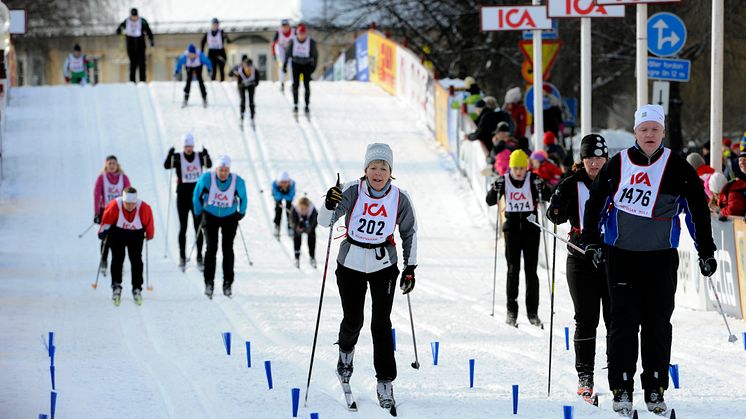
[[193, 60]]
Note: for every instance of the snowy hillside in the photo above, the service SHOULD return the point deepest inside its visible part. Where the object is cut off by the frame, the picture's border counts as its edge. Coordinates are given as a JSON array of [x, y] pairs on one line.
[[166, 359]]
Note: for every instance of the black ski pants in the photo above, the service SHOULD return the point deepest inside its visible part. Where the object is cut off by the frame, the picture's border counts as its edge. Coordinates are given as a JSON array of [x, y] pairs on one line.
[[353, 286], [242, 91], [218, 58], [194, 72], [228, 226], [642, 287], [589, 290], [130, 240], [136, 54], [524, 241], [298, 238], [279, 210], [184, 206], [306, 70]]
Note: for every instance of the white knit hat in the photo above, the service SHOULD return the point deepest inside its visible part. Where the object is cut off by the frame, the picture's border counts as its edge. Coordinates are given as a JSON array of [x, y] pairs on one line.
[[224, 161], [379, 151], [717, 182], [189, 140], [513, 95], [653, 113]]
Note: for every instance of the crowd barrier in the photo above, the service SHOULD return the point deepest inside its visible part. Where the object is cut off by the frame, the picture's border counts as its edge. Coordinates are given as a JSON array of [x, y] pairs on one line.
[[397, 70]]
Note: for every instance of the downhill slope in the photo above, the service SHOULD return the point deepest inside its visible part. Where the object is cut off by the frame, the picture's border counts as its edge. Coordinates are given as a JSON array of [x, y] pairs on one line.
[[166, 358]]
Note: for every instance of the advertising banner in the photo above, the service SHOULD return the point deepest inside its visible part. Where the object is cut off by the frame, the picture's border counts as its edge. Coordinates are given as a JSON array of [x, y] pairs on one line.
[[382, 61], [339, 68], [411, 80], [441, 117], [739, 231], [361, 58], [350, 63]]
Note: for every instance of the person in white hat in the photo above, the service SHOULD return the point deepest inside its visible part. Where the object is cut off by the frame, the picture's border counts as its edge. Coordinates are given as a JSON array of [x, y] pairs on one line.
[[638, 196], [126, 222], [189, 167], [372, 207], [283, 191], [220, 199]]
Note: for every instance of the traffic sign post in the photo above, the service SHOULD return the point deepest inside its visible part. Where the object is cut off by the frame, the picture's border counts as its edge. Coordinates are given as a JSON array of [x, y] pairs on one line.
[[669, 69], [666, 34]]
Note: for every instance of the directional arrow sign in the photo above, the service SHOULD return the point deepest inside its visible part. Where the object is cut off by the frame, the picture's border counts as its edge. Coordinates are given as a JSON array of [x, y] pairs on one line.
[[666, 34]]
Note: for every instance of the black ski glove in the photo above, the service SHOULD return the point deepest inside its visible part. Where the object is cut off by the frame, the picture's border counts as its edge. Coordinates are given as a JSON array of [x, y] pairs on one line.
[[499, 186], [538, 183], [171, 151], [284, 68], [97, 217], [239, 216], [102, 234], [407, 279], [333, 197], [707, 265], [595, 254]]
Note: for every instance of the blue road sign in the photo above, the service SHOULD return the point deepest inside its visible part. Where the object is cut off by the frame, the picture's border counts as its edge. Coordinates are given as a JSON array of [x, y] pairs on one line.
[[545, 34], [547, 102], [570, 105], [668, 69], [666, 34]]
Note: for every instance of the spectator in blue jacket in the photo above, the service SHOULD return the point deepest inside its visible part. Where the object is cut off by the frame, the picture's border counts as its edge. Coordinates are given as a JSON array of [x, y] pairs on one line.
[[283, 189], [193, 60], [220, 199]]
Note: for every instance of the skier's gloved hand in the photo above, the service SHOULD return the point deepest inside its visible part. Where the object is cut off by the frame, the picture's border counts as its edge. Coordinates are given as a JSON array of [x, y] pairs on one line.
[[239, 215], [538, 183], [595, 254], [707, 265], [284, 68], [407, 279], [97, 218], [333, 197], [499, 186], [103, 233], [152, 43], [67, 79], [171, 151]]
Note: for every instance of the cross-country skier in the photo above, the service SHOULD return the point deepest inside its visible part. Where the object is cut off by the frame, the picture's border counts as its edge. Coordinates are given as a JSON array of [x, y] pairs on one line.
[[193, 60], [638, 196], [302, 50], [189, 167], [304, 220], [216, 38], [247, 78], [75, 69], [279, 47], [283, 191], [372, 207], [110, 185], [127, 221], [522, 190], [135, 28], [220, 198], [588, 286]]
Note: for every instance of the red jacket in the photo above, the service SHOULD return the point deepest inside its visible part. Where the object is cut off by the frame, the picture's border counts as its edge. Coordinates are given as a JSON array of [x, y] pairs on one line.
[[550, 172], [111, 215], [732, 199], [704, 169]]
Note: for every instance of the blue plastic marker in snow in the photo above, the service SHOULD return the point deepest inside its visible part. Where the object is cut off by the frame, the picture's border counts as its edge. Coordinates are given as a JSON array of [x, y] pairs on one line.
[[248, 354], [393, 336], [314, 416], [52, 350], [295, 394], [227, 342], [435, 346], [744, 341], [42, 416], [268, 370], [673, 371], [567, 410], [471, 373], [50, 343], [51, 374], [567, 338], [53, 404], [515, 399]]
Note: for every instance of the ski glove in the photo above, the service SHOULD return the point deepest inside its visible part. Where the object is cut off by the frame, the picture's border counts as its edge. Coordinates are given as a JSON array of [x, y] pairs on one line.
[[407, 279], [707, 266], [102, 234], [333, 197], [499, 186], [595, 254], [284, 68], [97, 219], [538, 183]]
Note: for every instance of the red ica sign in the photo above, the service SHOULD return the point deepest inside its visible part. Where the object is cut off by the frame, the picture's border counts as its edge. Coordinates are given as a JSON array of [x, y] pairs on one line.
[[612, 2], [581, 8], [515, 18]]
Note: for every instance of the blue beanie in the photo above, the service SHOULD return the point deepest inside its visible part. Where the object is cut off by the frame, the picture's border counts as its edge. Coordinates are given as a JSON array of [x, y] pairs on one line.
[[192, 49]]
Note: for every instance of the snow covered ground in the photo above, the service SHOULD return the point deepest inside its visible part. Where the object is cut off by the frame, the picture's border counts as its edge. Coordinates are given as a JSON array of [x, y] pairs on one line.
[[166, 358]]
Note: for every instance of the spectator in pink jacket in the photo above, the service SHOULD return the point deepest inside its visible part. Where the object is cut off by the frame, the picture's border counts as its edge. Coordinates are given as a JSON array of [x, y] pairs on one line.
[[110, 185], [501, 150]]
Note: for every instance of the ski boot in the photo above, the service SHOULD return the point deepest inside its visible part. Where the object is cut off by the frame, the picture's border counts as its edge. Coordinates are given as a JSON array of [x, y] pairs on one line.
[[208, 290], [182, 264], [306, 110], [227, 290], [277, 231], [622, 402], [535, 321], [116, 296], [313, 263], [184, 103], [102, 267], [137, 296], [344, 365], [282, 87], [297, 263], [654, 400], [512, 319], [200, 263], [385, 390], [204, 102], [585, 388], [295, 109]]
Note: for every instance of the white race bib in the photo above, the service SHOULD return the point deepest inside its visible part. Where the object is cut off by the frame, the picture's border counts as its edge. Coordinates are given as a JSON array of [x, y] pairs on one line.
[[192, 63], [76, 64], [518, 199], [302, 49], [135, 224], [133, 29], [639, 185], [583, 195], [284, 40], [373, 220], [218, 198], [112, 192], [190, 171], [216, 41]]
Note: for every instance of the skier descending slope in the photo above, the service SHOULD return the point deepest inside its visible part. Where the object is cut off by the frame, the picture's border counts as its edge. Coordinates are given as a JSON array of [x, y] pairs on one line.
[[109, 186], [127, 221], [193, 61], [76, 66], [522, 190], [588, 286], [372, 207], [221, 195], [215, 39], [189, 167], [304, 218], [304, 56], [283, 190], [638, 196], [247, 79], [279, 48]]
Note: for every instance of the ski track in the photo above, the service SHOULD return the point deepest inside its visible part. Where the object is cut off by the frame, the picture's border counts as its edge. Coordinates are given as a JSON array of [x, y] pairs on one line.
[[166, 358]]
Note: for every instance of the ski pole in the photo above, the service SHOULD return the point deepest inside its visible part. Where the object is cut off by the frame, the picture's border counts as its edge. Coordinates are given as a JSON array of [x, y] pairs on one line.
[[196, 239], [551, 309], [147, 268], [85, 231], [168, 211], [245, 248], [494, 269], [100, 259], [321, 301], [416, 363], [532, 219], [731, 337]]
